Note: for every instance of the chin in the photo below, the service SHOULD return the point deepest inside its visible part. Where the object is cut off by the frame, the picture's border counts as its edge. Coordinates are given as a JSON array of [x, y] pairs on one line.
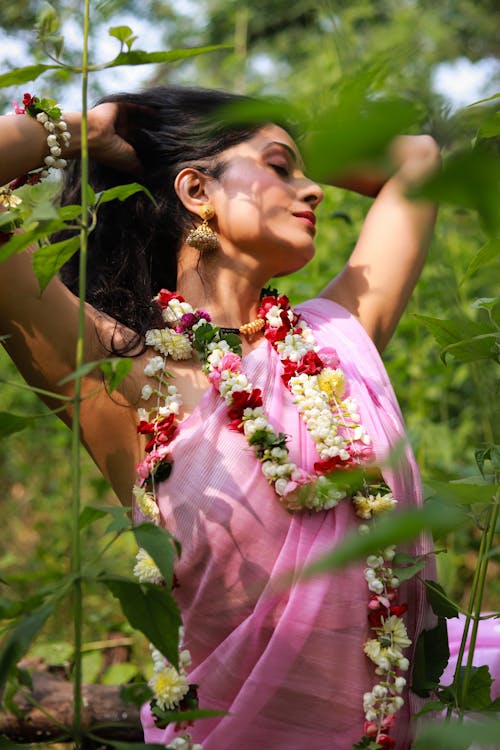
[[296, 260]]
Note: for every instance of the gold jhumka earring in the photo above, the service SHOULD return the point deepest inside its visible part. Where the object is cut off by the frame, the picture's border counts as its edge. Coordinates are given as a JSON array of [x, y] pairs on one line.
[[203, 238]]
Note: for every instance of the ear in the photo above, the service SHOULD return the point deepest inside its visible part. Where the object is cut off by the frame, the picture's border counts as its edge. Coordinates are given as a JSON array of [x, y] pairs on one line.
[[191, 188]]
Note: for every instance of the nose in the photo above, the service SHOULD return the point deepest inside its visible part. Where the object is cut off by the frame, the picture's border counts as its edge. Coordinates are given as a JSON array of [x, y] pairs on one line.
[[310, 192]]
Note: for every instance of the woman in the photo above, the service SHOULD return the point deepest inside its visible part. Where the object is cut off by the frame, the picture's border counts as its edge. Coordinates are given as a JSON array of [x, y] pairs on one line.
[[233, 210]]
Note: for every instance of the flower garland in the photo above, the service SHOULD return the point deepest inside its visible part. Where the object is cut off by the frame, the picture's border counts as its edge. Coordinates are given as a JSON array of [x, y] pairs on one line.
[[321, 393]]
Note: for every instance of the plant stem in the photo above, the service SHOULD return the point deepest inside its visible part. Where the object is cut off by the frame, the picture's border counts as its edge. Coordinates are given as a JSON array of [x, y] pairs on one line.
[[488, 535], [468, 618], [76, 556]]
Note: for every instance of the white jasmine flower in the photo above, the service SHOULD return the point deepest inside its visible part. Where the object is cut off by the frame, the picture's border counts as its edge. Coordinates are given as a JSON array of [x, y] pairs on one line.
[[146, 569], [146, 392], [169, 686], [399, 684], [389, 552], [376, 586], [185, 658], [154, 365], [280, 485], [403, 664]]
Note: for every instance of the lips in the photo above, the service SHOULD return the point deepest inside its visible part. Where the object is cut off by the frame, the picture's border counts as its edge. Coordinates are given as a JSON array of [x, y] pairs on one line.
[[306, 216]]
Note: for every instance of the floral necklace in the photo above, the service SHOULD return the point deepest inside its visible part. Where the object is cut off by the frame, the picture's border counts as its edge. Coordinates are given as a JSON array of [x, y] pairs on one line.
[[321, 393]]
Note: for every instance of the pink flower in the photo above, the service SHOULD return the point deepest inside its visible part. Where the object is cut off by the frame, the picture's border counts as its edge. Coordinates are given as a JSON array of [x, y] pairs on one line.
[[230, 361], [17, 109], [329, 357]]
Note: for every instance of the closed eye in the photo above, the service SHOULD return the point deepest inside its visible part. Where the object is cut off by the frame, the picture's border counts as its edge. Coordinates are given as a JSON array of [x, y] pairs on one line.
[[280, 169]]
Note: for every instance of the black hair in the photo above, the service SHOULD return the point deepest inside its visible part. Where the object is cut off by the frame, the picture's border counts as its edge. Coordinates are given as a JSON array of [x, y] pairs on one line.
[[133, 249]]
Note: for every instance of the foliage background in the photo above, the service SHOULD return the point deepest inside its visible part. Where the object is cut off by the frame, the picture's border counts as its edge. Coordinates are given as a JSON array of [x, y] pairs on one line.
[[300, 50]]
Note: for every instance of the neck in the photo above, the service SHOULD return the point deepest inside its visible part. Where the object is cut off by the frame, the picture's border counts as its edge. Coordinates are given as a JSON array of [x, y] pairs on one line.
[[230, 295]]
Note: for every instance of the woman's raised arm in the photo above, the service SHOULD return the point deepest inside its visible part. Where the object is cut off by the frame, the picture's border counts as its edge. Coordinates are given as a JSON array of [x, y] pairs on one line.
[[40, 330], [380, 275]]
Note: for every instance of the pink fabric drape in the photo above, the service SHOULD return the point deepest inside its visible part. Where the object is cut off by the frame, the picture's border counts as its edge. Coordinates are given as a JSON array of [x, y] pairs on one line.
[[288, 665]]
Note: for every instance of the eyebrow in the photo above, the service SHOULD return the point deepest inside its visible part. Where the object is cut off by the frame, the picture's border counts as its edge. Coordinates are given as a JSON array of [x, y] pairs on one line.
[[297, 160]]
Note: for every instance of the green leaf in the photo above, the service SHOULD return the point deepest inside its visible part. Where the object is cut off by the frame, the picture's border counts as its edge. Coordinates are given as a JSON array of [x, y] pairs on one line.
[[488, 253], [48, 259], [429, 707], [405, 572], [117, 674], [431, 657], [11, 423], [491, 127], [466, 340], [70, 212], [20, 638], [55, 653], [115, 370], [90, 515], [122, 192], [91, 196], [92, 663], [123, 34], [478, 695], [356, 129], [137, 693], [160, 544], [394, 528], [441, 605], [139, 57], [119, 514], [23, 75], [150, 609], [485, 303], [20, 242], [469, 180], [462, 491], [457, 735], [120, 32]]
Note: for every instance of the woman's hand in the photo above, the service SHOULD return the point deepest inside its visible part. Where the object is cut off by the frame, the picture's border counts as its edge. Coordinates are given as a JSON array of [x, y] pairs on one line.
[[106, 125], [415, 157], [412, 157]]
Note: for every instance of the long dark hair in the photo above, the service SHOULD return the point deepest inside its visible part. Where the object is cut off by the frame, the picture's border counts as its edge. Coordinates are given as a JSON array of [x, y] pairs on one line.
[[133, 249]]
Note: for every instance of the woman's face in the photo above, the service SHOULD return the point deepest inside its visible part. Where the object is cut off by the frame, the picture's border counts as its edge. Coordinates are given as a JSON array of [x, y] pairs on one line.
[[264, 204]]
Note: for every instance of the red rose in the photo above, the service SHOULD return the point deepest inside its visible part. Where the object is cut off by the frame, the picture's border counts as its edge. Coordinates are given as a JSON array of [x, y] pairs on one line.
[[385, 742], [164, 296], [162, 431], [398, 609], [289, 370], [28, 100], [330, 464], [242, 400], [310, 364], [265, 305]]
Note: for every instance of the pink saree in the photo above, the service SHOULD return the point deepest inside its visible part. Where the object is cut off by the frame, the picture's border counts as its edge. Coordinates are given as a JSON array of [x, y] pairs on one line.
[[287, 665]]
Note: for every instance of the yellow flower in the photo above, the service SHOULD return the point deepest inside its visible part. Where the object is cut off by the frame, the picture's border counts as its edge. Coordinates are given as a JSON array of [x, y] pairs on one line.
[[365, 507], [331, 382], [394, 628], [8, 199], [169, 687], [146, 503], [145, 568]]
